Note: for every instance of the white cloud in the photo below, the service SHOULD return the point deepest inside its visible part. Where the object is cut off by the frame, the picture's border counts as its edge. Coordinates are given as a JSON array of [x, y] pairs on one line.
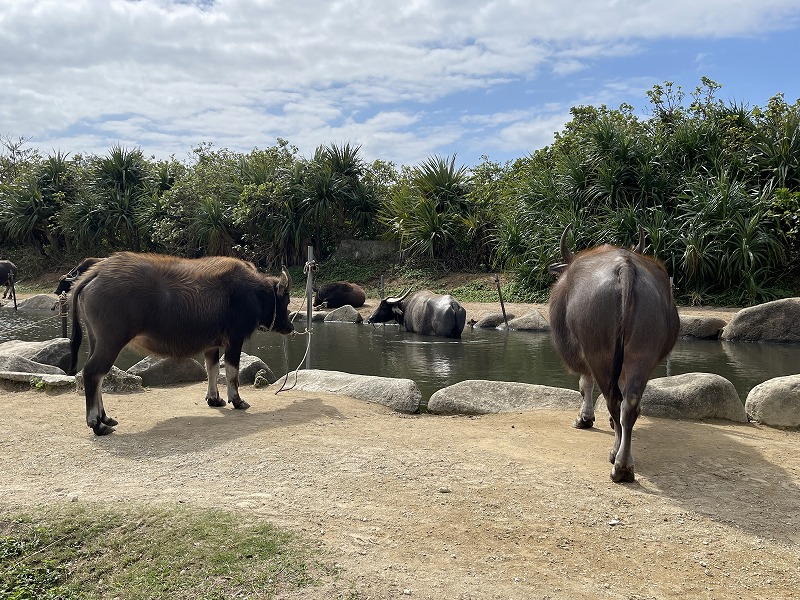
[[241, 73]]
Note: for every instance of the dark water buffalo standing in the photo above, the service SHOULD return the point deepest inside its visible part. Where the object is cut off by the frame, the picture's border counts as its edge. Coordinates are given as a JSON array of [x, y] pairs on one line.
[[424, 312], [341, 293], [172, 307], [65, 281], [8, 271], [612, 321]]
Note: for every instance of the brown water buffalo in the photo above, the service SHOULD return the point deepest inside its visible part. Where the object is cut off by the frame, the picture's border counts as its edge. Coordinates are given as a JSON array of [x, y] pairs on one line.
[[612, 321], [424, 312], [8, 274], [172, 307], [341, 293], [65, 281]]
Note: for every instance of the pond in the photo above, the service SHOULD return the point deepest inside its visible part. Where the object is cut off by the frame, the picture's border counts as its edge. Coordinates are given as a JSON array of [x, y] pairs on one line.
[[434, 363]]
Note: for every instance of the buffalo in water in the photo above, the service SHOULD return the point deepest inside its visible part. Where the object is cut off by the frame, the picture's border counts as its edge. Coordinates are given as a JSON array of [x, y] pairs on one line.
[[8, 274], [341, 293], [172, 307], [424, 312], [65, 281], [612, 321]]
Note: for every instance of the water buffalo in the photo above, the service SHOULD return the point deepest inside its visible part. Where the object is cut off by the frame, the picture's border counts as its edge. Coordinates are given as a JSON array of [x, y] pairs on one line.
[[612, 321], [172, 307], [8, 273], [65, 281], [424, 312], [341, 293]]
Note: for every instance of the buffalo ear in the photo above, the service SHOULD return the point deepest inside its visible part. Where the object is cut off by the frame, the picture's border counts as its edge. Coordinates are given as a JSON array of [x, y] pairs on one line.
[[285, 281], [557, 268]]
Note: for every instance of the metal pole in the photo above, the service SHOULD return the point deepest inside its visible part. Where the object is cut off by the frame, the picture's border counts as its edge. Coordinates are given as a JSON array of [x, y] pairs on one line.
[[500, 294], [62, 302], [309, 292]]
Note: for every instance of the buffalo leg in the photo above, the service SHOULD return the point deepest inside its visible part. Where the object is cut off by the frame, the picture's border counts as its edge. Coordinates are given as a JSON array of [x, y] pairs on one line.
[[623, 469], [212, 368], [232, 357], [95, 369], [585, 419]]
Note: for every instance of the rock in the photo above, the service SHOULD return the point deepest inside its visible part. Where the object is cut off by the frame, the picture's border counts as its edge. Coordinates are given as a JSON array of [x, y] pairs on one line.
[[20, 364], [38, 302], [300, 316], [53, 352], [493, 320], [704, 328], [401, 395], [52, 384], [533, 321], [480, 397], [693, 396], [155, 371], [116, 380], [777, 321], [775, 402], [344, 314], [249, 368]]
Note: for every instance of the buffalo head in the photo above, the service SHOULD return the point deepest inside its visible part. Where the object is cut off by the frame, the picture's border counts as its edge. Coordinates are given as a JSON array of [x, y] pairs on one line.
[[389, 309]]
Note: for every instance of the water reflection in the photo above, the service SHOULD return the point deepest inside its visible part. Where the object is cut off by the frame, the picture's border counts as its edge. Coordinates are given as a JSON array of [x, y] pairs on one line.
[[438, 362]]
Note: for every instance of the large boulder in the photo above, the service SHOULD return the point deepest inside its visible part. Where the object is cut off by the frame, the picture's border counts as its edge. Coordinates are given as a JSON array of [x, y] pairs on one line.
[[116, 380], [693, 396], [481, 397], [38, 302], [52, 384], [777, 321], [533, 321], [249, 368], [402, 395], [158, 372], [493, 320], [20, 364], [53, 352], [775, 402], [300, 316], [344, 314], [704, 328]]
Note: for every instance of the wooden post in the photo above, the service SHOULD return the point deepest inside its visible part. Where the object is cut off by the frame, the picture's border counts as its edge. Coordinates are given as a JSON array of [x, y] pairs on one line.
[[500, 294], [310, 268], [62, 303]]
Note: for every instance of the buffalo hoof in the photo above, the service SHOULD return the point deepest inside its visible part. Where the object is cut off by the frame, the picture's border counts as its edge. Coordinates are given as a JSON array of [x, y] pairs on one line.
[[240, 404], [111, 422], [216, 402], [622, 475], [103, 429], [583, 423]]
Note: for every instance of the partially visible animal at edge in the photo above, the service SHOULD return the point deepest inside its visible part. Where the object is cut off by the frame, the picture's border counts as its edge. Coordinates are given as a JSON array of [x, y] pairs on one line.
[[65, 281], [341, 293], [8, 273], [424, 312], [612, 319], [177, 307]]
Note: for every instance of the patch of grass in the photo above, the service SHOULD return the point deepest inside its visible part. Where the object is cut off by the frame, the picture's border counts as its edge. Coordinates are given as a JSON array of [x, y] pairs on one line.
[[86, 551]]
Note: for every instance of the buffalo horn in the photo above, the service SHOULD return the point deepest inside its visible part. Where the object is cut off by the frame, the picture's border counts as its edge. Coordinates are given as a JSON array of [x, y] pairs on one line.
[[285, 282], [398, 299], [566, 255]]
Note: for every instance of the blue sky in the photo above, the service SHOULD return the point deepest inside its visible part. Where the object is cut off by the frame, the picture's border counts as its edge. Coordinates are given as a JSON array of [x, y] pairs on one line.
[[403, 80]]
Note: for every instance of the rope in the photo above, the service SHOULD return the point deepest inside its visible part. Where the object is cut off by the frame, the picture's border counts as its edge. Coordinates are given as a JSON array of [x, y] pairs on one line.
[[286, 352]]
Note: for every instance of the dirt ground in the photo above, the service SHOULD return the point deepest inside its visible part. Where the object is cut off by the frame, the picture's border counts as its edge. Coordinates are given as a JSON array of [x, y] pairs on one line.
[[501, 506]]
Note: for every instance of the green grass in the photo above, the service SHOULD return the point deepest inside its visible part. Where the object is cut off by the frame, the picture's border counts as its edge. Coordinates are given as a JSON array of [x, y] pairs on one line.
[[90, 551]]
